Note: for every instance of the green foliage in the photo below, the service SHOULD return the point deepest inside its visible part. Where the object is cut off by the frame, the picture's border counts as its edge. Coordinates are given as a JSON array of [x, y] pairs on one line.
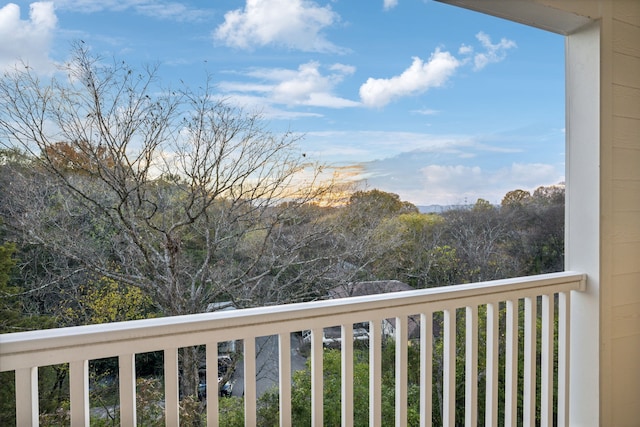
[[10, 313], [301, 390], [231, 412], [6, 264], [105, 300]]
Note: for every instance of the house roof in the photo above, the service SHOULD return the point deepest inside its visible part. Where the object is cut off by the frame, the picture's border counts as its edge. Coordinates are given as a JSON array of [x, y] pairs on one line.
[[355, 289]]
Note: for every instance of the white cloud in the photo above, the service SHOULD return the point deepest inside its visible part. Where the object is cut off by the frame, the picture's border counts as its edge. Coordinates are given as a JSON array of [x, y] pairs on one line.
[[493, 52], [418, 78], [454, 184], [421, 76], [305, 86], [27, 40], [426, 112], [164, 10], [294, 24], [390, 4], [343, 69], [264, 107], [465, 49]]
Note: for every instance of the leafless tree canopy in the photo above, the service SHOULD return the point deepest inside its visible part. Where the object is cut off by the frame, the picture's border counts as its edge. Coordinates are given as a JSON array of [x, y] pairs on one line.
[[171, 190]]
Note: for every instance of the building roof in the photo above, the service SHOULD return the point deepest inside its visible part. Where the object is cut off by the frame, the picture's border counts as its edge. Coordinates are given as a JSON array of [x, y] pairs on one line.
[[355, 289]]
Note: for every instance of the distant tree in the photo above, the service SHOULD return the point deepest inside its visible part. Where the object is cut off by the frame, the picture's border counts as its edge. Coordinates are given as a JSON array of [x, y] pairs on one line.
[[515, 198], [477, 235], [365, 234], [419, 249], [366, 209]]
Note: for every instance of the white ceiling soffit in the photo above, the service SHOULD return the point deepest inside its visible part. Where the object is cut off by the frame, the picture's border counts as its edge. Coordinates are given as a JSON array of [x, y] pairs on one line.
[[528, 12]]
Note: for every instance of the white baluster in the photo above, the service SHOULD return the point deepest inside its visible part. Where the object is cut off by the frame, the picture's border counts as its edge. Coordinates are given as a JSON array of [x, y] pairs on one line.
[[127, 375], [449, 368], [250, 395], [471, 367], [27, 396], [171, 413], [284, 347], [529, 398], [79, 392], [564, 305], [211, 354], [491, 406], [546, 399], [375, 372], [511, 365], [401, 371], [426, 369], [347, 375]]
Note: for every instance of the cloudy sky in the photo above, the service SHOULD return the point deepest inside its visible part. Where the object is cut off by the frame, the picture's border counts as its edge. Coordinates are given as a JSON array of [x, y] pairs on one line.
[[437, 104]]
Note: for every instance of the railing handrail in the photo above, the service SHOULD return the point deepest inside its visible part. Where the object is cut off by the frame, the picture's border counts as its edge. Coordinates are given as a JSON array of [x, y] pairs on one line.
[[52, 346]]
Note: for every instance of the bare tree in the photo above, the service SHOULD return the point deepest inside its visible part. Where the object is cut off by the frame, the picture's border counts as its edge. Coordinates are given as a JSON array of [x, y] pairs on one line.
[[173, 191]]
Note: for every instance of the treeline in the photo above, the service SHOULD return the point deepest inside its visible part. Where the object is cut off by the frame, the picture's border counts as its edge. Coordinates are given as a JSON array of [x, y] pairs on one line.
[[64, 264]]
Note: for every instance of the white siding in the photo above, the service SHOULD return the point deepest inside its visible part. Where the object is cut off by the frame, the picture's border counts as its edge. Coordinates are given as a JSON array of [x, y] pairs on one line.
[[623, 367]]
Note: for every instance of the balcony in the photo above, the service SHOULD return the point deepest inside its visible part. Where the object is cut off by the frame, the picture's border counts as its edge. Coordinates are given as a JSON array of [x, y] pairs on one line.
[[513, 307]]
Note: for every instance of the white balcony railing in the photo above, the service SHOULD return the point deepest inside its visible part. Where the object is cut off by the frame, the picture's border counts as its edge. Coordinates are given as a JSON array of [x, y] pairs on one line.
[[25, 352]]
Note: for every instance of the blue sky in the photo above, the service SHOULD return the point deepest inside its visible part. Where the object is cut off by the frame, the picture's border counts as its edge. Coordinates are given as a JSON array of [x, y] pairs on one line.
[[435, 103]]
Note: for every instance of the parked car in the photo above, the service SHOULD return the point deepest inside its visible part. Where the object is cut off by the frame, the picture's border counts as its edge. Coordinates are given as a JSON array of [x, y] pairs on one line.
[[225, 369], [332, 336], [224, 391]]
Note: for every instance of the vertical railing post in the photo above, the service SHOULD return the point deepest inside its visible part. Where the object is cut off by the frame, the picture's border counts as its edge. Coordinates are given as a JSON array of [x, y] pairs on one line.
[[317, 383], [401, 371], [284, 378], [564, 305], [471, 366], [529, 398], [171, 395], [127, 380], [426, 369], [27, 410], [375, 372], [449, 368], [79, 392], [211, 354], [511, 365], [546, 387], [250, 395], [347, 375], [491, 395]]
